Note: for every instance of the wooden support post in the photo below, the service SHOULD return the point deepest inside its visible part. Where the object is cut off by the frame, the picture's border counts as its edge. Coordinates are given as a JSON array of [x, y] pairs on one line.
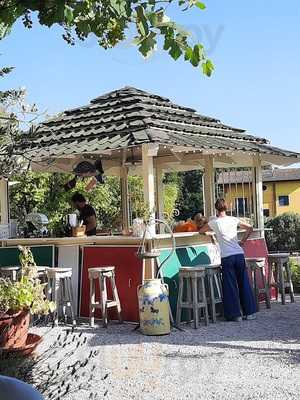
[[159, 196], [4, 201], [124, 198], [148, 152], [274, 208], [258, 193], [209, 187]]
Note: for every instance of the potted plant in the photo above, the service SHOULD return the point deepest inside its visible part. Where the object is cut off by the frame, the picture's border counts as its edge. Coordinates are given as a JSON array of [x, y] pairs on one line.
[[20, 299]]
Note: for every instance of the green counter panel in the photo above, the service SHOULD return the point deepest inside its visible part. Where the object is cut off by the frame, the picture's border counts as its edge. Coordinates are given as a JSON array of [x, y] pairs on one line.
[[43, 255], [183, 257]]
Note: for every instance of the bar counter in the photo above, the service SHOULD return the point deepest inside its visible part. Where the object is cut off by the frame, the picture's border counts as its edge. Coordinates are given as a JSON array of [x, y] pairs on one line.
[[83, 253]]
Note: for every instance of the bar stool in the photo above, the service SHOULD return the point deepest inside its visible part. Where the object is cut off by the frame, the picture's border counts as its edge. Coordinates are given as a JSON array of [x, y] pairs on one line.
[[11, 272], [256, 266], [282, 276], [60, 291], [214, 288], [195, 294], [102, 274]]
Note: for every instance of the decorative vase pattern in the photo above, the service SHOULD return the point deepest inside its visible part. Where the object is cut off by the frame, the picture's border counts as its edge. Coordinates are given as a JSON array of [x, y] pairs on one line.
[[153, 298]]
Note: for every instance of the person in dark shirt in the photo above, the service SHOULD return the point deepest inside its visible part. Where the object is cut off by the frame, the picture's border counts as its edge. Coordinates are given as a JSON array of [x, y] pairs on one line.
[[87, 213]]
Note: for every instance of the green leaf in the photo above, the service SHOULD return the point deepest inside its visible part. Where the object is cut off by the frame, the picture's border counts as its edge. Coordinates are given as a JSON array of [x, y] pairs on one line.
[[168, 43], [195, 57], [142, 23], [188, 54], [208, 68], [175, 51], [153, 18], [148, 44], [200, 5], [68, 15], [84, 26]]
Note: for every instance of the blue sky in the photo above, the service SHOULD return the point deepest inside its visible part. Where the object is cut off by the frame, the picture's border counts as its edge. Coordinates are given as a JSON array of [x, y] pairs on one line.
[[254, 45]]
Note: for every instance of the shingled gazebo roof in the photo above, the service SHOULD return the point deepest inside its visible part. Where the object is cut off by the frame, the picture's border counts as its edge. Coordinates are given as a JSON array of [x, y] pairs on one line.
[[130, 117]]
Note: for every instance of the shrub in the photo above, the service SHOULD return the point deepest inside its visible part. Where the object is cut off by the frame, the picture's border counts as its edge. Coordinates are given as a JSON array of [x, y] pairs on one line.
[[295, 270], [285, 234], [27, 293]]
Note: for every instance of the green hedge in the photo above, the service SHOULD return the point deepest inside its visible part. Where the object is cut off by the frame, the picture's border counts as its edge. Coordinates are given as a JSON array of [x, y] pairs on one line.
[[295, 269], [285, 234]]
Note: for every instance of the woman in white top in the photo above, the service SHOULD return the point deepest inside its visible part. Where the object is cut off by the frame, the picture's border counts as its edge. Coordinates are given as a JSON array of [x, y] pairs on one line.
[[237, 292]]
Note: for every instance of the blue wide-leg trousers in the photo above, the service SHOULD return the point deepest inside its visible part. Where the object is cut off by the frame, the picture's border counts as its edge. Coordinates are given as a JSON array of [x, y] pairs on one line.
[[237, 291]]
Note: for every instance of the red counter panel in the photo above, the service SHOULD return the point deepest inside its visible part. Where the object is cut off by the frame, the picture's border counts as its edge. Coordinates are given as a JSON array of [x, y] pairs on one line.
[[128, 269]]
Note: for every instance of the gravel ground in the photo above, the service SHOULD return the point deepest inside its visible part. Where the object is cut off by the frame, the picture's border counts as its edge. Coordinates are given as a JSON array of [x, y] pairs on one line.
[[248, 360]]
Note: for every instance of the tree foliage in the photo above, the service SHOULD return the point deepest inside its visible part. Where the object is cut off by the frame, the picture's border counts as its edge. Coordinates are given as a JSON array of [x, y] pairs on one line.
[[285, 233], [190, 199], [111, 21], [45, 193], [15, 113]]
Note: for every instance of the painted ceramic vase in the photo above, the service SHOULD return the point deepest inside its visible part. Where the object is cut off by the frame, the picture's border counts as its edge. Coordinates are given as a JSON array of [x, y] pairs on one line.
[[153, 298]]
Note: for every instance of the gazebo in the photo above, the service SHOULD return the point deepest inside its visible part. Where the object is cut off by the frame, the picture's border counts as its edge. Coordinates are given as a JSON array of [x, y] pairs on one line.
[[135, 132]]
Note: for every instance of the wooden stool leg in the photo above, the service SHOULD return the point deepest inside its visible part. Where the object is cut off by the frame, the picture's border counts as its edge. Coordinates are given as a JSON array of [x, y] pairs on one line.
[[269, 279], [14, 276], [92, 302], [217, 281], [219, 291], [116, 297], [103, 290], [212, 299], [49, 290], [56, 283], [277, 280], [71, 299], [203, 300], [63, 298], [289, 279], [195, 302], [281, 281], [256, 290], [266, 288], [189, 297], [179, 300]]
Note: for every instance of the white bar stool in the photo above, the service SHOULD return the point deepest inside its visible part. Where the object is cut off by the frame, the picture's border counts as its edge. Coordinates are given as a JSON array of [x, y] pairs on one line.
[[195, 294], [214, 283], [279, 263], [11, 272], [60, 292], [101, 274]]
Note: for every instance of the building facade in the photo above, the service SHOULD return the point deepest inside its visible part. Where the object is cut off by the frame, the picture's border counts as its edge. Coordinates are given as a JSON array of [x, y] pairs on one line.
[[281, 192]]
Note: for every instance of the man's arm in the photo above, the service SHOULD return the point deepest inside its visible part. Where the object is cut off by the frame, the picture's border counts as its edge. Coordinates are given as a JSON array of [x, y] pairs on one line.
[[91, 223], [249, 229]]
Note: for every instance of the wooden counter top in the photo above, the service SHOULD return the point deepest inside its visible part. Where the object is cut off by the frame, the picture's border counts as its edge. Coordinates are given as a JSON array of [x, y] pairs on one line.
[[185, 238], [97, 240]]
